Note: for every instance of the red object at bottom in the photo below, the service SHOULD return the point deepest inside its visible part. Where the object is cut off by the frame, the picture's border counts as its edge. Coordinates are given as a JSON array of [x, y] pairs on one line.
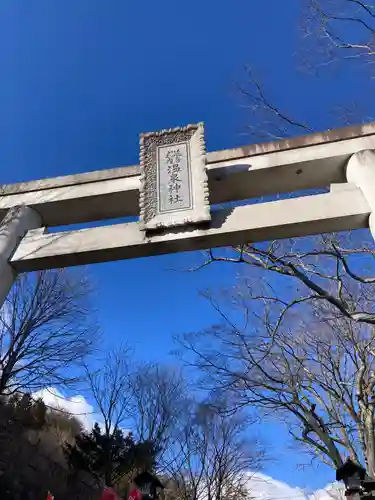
[[50, 496], [135, 495], [109, 494]]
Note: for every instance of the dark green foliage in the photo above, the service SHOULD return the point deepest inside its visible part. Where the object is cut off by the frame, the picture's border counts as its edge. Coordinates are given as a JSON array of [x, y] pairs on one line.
[[21, 413], [108, 457]]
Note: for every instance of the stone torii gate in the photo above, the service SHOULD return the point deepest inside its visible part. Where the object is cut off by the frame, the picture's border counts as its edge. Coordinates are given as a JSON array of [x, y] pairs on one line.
[[173, 190]]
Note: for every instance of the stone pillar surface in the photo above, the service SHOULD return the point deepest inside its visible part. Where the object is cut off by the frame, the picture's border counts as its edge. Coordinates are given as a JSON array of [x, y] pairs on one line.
[[361, 172], [13, 228]]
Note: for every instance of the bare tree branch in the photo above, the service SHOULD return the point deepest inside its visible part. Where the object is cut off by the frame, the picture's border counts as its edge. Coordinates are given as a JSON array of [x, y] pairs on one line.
[[296, 337], [213, 455], [46, 330], [158, 398], [109, 385], [270, 123]]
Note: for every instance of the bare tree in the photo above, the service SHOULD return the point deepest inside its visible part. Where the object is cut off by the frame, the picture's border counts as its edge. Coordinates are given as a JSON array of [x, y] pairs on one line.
[[213, 456], [110, 451], [323, 268], [337, 34], [109, 385], [268, 121], [46, 329], [340, 29], [158, 398], [297, 282], [303, 347], [297, 337]]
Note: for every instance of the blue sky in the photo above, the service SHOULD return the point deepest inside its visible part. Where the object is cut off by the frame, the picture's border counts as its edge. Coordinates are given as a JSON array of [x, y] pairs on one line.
[[80, 79]]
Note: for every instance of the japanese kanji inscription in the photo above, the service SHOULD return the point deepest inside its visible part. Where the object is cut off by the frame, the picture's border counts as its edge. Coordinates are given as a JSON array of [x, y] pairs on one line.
[[174, 190]]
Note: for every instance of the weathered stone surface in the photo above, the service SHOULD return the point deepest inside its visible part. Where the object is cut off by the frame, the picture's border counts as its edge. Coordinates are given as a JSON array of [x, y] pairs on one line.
[[311, 162], [339, 210], [214, 157], [13, 228], [360, 171], [174, 184]]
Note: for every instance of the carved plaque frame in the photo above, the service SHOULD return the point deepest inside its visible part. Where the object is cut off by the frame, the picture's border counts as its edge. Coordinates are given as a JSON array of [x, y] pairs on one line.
[[174, 184]]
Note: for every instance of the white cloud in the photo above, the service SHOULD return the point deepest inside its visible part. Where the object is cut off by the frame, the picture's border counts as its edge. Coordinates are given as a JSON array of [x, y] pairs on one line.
[[263, 487], [74, 405]]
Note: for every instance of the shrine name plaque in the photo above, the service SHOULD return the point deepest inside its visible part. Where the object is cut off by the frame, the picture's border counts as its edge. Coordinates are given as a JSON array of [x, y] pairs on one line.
[[174, 187]]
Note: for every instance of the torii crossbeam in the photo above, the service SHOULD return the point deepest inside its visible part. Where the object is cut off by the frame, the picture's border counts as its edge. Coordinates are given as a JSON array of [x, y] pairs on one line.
[[341, 161]]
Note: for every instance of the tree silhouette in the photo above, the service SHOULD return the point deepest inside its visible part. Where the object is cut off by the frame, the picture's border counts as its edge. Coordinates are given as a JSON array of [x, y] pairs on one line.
[[108, 458]]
